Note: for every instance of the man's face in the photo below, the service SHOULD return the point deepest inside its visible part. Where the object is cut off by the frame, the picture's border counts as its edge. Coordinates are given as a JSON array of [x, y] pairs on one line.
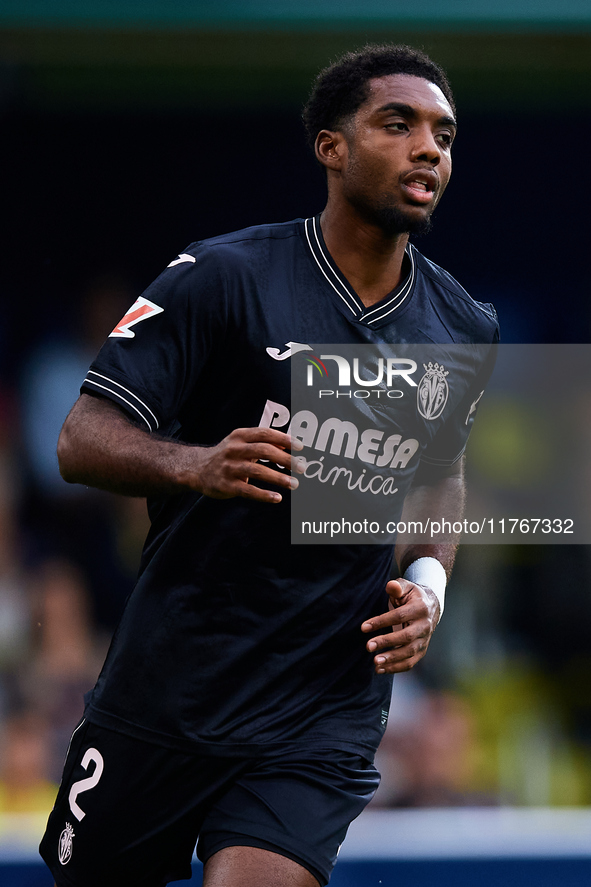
[[397, 159]]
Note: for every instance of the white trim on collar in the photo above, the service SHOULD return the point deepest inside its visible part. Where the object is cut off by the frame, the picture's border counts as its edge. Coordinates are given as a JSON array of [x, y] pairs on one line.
[[342, 289]]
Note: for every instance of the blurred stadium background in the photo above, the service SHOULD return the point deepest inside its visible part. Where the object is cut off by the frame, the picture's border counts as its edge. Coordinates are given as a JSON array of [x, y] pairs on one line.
[[131, 129]]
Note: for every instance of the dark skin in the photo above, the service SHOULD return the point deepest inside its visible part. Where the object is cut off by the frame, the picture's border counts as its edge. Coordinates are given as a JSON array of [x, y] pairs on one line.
[[414, 609], [392, 156], [402, 134], [396, 152], [99, 446]]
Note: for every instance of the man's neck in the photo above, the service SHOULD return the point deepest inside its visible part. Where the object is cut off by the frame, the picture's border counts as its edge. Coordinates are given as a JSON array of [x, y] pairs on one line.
[[370, 260]]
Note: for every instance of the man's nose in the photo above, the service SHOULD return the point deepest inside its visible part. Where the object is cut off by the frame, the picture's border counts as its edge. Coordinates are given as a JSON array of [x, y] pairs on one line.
[[425, 146]]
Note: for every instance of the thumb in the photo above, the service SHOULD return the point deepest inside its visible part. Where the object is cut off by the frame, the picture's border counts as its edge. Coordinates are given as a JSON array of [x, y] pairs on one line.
[[395, 592]]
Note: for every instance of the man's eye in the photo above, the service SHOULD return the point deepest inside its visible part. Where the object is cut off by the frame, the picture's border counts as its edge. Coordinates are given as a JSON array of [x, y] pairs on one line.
[[445, 138], [397, 125]]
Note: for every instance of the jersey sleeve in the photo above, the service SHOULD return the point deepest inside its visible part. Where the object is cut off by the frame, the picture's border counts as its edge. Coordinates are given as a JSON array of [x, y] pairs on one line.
[[152, 359], [449, 443]]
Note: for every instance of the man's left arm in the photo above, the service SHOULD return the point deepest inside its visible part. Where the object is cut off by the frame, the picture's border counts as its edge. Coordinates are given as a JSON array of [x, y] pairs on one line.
[[414, 607]]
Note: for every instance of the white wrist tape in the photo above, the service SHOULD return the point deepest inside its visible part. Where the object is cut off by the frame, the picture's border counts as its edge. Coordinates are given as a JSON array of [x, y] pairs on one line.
[[429, 571]]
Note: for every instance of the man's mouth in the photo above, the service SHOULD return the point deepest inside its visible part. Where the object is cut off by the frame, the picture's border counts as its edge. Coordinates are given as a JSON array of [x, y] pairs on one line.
[[420, 185]]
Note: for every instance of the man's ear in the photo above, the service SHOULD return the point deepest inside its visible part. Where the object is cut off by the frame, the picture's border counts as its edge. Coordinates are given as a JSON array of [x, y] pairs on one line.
[[330, 148]]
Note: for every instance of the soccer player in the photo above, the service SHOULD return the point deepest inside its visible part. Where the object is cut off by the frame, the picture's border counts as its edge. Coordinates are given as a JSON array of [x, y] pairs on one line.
[[248, 683]]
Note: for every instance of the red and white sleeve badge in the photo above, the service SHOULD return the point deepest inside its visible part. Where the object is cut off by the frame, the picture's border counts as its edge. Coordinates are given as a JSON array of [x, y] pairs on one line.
[[140, 310]]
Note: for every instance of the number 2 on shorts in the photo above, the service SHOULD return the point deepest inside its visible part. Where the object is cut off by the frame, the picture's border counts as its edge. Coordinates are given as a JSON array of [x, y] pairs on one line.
[[84, 785]]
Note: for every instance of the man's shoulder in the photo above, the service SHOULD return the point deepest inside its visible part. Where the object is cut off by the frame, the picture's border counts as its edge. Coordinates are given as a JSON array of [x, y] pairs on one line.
[[445, 287], [227, 261], [246, 238]]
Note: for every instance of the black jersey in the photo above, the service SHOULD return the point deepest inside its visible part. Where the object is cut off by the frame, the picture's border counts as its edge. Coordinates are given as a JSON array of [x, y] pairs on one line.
[[232, 638]]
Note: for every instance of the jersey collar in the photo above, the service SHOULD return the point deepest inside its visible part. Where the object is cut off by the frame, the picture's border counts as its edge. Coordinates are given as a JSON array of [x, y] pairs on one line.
[[347, 298]]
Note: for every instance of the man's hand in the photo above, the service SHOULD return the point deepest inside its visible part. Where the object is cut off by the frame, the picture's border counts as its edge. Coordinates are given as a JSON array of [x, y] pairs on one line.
[[226, 470], [409, 623]]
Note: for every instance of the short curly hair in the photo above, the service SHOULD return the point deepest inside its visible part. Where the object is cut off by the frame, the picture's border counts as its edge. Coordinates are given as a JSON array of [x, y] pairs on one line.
[[341, 88]]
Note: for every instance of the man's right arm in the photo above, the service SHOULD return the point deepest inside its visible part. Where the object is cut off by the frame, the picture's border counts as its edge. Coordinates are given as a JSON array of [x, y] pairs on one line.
[[99, 446]]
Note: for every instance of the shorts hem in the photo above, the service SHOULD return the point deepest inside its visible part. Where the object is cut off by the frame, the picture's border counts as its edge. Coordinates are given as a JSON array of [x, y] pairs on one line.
[[62, 880], [59, 875]]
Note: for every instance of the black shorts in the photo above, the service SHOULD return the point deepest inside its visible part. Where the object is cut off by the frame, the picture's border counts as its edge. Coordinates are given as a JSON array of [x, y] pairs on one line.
[[129, 812]]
